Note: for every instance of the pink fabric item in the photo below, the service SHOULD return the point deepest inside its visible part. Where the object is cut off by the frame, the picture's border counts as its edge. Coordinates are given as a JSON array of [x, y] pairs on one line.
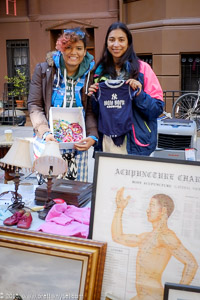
[[73, 229], [67, 220], [69, 212]]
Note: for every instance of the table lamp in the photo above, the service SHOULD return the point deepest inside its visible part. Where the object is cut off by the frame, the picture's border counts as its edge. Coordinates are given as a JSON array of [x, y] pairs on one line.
[[50, 164], [18, 157]]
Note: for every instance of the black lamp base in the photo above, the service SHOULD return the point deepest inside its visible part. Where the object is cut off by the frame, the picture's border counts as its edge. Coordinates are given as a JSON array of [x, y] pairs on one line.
[[49, 202], [43, 213], [16, 198]]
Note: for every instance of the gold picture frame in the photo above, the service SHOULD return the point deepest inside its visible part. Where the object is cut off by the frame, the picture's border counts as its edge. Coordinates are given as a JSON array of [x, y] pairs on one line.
[[36, 264]]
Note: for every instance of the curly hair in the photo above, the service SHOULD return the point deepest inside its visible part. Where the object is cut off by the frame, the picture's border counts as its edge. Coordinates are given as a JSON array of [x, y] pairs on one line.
[[70, 36]]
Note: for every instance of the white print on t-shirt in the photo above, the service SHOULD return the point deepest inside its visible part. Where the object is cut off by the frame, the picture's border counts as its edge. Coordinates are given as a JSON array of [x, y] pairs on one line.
[[114, 103]]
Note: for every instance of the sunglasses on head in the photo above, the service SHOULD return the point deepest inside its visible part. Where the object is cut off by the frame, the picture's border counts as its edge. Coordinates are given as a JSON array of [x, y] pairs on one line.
[[77, 31]]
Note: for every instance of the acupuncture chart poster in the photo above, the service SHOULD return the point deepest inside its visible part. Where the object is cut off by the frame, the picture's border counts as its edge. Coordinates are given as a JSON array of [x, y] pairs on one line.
[[150, 241]]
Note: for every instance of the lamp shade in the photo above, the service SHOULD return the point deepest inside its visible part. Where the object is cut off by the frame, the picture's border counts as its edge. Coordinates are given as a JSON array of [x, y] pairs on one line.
[[50, 158], [18, 155]]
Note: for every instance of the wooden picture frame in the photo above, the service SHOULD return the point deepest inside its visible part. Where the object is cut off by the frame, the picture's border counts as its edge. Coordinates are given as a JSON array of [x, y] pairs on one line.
[[137, 179], [174, 291], [36, 264]]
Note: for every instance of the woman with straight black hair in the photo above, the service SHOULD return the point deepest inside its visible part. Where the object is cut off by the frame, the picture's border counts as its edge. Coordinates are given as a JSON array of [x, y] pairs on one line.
[[128, 107], [129, 58]]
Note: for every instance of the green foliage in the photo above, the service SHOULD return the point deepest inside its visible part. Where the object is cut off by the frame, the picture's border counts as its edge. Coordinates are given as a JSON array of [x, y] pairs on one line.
[[19, 84]]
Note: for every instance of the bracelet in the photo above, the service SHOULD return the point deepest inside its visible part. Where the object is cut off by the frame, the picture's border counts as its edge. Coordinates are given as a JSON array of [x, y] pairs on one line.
[[45, 135]]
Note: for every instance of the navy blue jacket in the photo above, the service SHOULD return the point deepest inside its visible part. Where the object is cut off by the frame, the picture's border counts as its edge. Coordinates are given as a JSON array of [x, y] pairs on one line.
[[146, 108]]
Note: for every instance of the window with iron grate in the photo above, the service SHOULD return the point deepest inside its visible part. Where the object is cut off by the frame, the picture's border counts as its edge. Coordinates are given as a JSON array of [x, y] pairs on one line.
[[190, 71], [18, 57], [147, 58]]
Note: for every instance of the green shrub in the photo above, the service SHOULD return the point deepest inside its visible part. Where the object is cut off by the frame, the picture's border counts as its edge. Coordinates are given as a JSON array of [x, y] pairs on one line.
[[18, 84]]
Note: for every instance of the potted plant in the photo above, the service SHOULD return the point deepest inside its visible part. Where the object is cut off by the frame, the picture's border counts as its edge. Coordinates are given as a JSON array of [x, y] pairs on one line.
[[18, 87]]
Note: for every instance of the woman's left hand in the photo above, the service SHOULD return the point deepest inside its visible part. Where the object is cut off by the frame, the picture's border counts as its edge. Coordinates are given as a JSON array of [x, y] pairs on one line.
[[135, 84], [84, 144]]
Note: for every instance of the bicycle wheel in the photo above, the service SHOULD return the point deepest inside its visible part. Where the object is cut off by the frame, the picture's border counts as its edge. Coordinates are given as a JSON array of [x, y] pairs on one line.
[[183, 108]]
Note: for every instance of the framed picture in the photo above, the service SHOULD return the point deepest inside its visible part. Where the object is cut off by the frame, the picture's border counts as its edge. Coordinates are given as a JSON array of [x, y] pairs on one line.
[[148, 211], [181, 292], [37, 265]]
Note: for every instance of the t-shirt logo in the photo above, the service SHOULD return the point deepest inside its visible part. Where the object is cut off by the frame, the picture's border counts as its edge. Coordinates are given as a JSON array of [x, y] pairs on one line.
[[114, 96]]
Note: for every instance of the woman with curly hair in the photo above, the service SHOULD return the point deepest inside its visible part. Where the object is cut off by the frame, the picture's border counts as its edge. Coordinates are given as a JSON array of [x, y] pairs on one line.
[[62, 81]]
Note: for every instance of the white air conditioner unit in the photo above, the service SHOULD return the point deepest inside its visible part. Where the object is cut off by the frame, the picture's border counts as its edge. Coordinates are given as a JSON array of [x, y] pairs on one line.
[[174, 136]]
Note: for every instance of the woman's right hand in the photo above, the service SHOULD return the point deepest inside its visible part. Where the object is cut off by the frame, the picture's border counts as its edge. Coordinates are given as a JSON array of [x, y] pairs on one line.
[[50, 137], [93, 88], [135, 84]]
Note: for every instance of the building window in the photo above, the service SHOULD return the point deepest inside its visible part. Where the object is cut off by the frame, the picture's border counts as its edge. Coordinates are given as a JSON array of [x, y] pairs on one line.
[[11, 7], [146, 58], [18, 57], [90, 40], [190, 71]]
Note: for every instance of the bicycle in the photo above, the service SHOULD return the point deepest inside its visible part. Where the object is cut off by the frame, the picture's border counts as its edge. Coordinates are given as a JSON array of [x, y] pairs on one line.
[[187, 107]]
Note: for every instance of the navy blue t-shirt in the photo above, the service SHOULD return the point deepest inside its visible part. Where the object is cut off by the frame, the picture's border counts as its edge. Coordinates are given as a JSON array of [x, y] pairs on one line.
[[115, 107]]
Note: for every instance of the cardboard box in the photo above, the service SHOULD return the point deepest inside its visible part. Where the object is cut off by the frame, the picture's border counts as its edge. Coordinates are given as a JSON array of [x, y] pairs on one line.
[[72, 115]]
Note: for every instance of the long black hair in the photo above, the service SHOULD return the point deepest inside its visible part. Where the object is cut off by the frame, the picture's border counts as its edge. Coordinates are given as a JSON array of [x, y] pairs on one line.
[[129, 58]]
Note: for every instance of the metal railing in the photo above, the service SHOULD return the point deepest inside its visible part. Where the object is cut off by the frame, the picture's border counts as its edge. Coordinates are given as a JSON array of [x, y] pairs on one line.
[[171, 96], [9, 104], [8, 114]]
